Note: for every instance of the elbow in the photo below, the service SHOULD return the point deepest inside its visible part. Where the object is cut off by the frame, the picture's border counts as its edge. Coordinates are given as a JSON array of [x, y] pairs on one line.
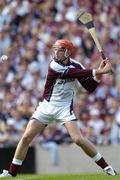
[[91, 89]]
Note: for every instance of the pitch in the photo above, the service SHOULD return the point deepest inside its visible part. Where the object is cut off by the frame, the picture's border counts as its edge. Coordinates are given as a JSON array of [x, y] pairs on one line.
[[65, 177]]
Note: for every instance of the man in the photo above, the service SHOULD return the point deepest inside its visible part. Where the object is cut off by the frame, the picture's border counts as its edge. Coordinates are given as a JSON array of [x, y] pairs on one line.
[[57, 104]]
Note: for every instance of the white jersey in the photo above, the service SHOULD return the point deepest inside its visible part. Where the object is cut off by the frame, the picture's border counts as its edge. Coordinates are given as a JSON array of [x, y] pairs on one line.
[[61, 80]]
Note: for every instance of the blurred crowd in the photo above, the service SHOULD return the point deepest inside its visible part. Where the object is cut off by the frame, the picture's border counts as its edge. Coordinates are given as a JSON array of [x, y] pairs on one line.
[[28, 28]]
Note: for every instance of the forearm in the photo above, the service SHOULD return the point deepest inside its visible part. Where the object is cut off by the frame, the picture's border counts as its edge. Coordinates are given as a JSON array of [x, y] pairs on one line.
[[98, 72], [75, 73]]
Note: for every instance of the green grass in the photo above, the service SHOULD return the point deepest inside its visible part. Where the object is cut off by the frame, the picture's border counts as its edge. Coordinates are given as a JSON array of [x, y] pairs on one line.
[[65, 177]]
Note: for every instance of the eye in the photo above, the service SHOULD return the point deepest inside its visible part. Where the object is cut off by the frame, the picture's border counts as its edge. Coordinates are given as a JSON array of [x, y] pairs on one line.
[[59, 49]]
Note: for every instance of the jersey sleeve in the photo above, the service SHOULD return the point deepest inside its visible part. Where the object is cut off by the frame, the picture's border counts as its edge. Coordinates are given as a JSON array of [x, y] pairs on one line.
[[66, 72], [89, 83]]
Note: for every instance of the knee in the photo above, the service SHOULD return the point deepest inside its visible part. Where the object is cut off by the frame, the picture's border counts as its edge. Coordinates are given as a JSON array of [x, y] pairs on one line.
[[26, 139], [78, 140]]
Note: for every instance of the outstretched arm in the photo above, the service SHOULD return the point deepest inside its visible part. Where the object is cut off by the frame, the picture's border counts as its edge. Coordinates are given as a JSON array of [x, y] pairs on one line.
[[68, 72], [76, 72]]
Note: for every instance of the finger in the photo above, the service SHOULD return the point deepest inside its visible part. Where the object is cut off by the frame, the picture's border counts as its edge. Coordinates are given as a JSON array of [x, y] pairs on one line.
[[103, 62]]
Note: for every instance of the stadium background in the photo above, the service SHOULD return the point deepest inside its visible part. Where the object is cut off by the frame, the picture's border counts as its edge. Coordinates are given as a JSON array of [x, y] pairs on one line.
[[27, 31]]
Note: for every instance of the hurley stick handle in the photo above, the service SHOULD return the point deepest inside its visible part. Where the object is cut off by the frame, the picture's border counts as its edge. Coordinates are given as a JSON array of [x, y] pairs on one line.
[[103, 55]]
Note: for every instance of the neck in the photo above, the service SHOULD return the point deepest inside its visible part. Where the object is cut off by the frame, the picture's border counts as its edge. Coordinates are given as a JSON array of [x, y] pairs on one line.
[[66, 61]]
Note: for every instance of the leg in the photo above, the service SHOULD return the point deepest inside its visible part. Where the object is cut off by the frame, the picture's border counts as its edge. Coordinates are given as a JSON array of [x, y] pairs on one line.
[[87, 146], [78, 139], [32, 129]]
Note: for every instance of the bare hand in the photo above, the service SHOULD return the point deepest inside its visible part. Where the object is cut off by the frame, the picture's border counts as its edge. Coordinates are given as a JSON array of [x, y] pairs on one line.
[[105, 68], [108, 66], [102, 64]]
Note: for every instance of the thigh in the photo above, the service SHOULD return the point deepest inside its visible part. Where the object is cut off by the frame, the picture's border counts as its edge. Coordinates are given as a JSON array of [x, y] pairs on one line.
[[73, 129], [33, 128]]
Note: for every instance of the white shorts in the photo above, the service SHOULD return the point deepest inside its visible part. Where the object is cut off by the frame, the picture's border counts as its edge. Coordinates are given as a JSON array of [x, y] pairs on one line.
[[47, 113]]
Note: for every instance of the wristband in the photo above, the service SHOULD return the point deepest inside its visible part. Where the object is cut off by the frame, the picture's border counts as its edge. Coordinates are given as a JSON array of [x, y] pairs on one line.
[[94, 72]]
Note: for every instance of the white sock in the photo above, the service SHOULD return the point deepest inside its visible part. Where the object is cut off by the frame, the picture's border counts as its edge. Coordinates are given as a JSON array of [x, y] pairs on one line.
[[97, 157], [17, 161]]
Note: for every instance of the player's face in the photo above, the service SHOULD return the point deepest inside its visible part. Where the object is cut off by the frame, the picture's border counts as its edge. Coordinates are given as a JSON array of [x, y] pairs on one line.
[[58, 53]]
